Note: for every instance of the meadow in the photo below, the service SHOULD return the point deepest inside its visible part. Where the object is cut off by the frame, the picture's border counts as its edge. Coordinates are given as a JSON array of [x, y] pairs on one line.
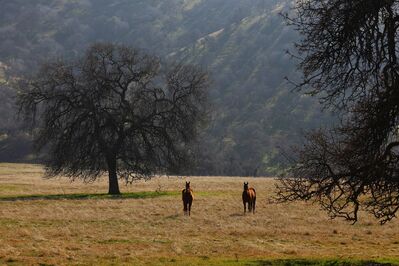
[[58, 222]]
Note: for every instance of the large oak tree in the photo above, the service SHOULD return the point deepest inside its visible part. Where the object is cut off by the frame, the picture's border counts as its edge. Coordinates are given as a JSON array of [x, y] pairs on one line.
[[115, 110], [349, 59]]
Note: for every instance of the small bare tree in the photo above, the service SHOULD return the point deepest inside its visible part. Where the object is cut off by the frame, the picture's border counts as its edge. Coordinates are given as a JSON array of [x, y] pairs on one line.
[[349, 59], [116, 110]]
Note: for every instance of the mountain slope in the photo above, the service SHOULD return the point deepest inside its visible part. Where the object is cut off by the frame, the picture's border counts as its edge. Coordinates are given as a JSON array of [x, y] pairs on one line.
[[242, 43]]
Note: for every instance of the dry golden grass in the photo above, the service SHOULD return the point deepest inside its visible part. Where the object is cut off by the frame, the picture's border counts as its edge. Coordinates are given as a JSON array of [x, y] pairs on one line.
[[154, 230]]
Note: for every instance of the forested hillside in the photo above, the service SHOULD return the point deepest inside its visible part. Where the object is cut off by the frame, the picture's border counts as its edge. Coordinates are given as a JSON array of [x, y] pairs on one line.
[[242, 44]]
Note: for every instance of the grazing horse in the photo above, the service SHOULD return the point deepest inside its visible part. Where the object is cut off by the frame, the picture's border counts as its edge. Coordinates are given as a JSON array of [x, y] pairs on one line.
[[249, 195], [187, 196]]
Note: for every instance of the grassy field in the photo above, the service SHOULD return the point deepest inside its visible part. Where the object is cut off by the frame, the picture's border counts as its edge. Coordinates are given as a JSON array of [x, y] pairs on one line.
[[45, 222]]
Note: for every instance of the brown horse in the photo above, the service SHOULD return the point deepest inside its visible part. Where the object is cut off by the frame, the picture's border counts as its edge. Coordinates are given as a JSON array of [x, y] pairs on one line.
[[187, 196], [249, 195]]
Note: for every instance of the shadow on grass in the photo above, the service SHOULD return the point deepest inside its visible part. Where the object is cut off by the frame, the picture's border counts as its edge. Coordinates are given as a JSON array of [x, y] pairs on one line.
[[238, 214], [293, 262], [210, 261], [82, 196]]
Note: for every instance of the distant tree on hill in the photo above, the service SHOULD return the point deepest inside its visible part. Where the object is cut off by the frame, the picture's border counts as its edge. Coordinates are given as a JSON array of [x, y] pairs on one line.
[[115, 110], [349, 52]]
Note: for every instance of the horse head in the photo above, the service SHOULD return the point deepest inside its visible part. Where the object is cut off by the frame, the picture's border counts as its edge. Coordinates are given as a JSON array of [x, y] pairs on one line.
[[245, 186], [187, 185]]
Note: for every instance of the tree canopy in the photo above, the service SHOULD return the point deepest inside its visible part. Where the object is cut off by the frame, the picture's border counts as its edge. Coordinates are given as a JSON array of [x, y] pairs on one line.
[[349, 60], [116, 109]]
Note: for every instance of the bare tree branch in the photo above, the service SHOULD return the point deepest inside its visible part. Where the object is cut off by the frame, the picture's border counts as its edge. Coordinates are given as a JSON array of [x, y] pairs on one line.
[[117, 110], [349, 51]]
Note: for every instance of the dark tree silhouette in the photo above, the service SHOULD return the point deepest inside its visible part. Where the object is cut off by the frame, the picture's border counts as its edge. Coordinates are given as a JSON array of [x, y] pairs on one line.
[[116, 110], [348, 54]]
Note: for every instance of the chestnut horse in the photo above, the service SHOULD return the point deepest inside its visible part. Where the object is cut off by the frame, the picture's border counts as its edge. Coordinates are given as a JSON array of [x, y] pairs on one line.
[[187, 196], [249, 195]]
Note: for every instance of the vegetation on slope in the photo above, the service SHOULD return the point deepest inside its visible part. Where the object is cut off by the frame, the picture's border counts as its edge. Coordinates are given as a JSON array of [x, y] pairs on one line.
[[241, 43]]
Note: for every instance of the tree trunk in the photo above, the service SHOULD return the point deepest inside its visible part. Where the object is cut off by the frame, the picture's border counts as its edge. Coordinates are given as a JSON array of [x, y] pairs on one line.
[[113, 178]]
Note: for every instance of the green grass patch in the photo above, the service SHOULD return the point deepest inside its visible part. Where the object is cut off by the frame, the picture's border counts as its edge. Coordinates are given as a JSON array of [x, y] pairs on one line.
[[82, 196], [330, 262], [205, 260], [304, 262]]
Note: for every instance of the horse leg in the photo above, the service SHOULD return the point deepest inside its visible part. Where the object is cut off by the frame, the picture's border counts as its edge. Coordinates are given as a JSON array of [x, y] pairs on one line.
[[245, 207], [189, 208], [185, 208], [253, 208]]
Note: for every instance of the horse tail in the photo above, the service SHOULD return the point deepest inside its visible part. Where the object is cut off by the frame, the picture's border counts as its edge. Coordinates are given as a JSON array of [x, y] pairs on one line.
[[253, 199], [254, 204], [254, 193]]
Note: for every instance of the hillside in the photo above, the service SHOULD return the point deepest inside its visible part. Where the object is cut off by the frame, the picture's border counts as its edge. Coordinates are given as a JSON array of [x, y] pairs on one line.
[[241, 43]]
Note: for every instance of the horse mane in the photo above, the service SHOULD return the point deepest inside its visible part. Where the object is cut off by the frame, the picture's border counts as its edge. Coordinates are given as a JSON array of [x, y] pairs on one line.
[[188, 192]]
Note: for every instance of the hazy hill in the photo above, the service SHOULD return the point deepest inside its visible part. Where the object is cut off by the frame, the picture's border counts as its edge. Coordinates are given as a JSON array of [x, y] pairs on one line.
[[241, 42]]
